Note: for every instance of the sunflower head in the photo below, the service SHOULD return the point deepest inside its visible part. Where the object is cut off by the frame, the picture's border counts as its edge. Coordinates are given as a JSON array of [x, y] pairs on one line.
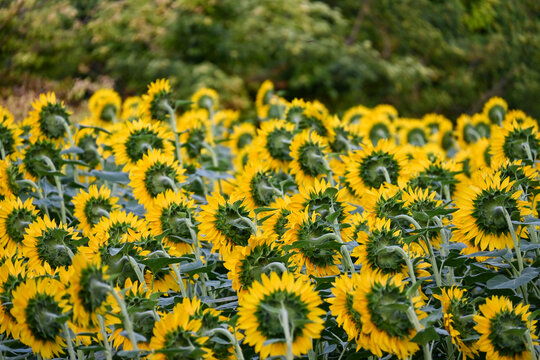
[[92, 205], [49, 118], [205, 98], [262, 101], [259, 185], [157, 98], [130, 108], [105, 106], [242, 135], [15, 217], [12, 274], [10, 134], [273, 143], [265, 304], [309, 153], [10, 173], [495, 109], [516, 141], [35, 159], [355, 114], [376, 126]]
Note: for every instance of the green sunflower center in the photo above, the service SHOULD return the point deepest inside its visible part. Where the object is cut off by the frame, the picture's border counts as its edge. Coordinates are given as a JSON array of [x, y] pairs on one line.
[[140, 142], [116, 230], [51, 120], [325, 204], [263, 188], [312, 236], [90, 295], [312, 122], [183, 343], [447, 140], [90, 155], [244, 140], [54, 247], [230, 223], [379, 132], [95, 209], [276, 110], [379, 257], [157, 110], [311, 159], [13, 174], [488, 211], [175, 220], [268, 314], [388, 208], [195, 141], [434, 178], [158, 178], [497, 114], [295, 114], [280, 226], [7, 140], [463, 323], [385, 314], [251, 268], [277, 144], [502, 334], [6, 293], [41, 314], [417, 137], [341, 140], [372, 169], [33, 161], [515, 143], [351, 312], [17, 222], [108, 113]]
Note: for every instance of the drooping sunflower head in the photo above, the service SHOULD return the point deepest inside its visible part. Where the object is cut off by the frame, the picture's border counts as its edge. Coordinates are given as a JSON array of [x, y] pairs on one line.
[[310, 238], [105, 106], [355, 114], [386, 201], [49, 246], [262, 101], [114, 229], [205, 98], [419, 201], [12, 274], [495, 109], [154, 174], [10, 173], [226, 118], [88, 140], [10, 134], [139, 138], [376, 126], [273, 143], [457, 309], [374, 166], [92, 205], [173, 214], [389, 111], [242, 135], [414, 132], [485, 209], [523, 176], [497, 325], [176, 330], [258, 185], [156, 100], [343, 137], [435, 174], [196, 134], [15, 217], [39, 158], [275, 225], [88, 289], [471, 129], [295, 302], [310, 157], [130, 108], [226, 223], [38, 306], [388, 325], [49, 118], [247, 264], [516, 141]]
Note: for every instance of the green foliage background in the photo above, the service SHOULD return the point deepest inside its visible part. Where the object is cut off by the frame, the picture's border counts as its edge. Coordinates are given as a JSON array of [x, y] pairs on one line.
[[447, 56]]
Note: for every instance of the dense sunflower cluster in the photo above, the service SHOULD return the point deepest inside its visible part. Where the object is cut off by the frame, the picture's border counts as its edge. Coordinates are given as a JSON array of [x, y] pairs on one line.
[[161, 228]]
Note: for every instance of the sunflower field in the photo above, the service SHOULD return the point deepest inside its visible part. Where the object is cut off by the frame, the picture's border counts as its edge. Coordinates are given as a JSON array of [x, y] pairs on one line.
[[169, 228]]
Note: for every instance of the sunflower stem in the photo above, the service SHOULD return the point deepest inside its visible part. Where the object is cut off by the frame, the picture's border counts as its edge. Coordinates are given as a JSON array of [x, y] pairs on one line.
[[126, 320], [413, 318], [138, 271], [237, 349], [446, 189], [533, 235], [176, 270], [450, 276], [197, 248], [346, 257], [525, 146], [215, 162], [71, 142], [103, 330], [165, 180], [38, 191], [384, 171], [530, 344], [67, 336], [470, 131], [276, 265], [51, 166], [2, 150], [514, 238], [172, 121], [405, 257], [284, 320]]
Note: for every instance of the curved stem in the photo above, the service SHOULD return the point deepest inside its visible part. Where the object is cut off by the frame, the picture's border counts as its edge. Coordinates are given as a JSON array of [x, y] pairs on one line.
[[51, 166], [138, 271], [237, 349], [530, 344], [276, 265], [385, 173], [165, 180], [405, 257], [525, 146], [67, 336], [514, 237], [172, 121], [284, 320], [126, 320], [215, 162], [413, 318], [71, 142], [2, 150]]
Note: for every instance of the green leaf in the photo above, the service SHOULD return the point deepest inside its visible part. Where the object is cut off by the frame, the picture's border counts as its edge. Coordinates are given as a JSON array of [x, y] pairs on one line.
[[263, 209], [112, 176], [426, 335], [178, 103], [413, 288], [93, 127], [156, 264], [502, 282]]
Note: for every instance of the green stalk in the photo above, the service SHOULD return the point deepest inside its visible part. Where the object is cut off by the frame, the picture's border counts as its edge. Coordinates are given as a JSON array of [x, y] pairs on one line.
[[67, 336], [237, 349], [126, 319], [405, 257], [284, 320], [2, 150], [51, 166], [103, 330], [172, 121], [71, 142], [413, 318], [385, 173], [138, 271]]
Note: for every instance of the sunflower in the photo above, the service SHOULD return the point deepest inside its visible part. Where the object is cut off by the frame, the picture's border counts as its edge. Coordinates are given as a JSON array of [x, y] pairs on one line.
[[196, 136], [457, 309], [92, 205], [388, 111], [374, 166], [105, 106], [471, 129], [33, 156], [177, 332], [388, 327], [310, 158], [414, 132], [375, 255], [273, 143], [524, 176], [246, 264], [241, 136], [264, 95], [516, 141], [10, 134], [473, 158], [441, 131], [258, 185], [480, 219], [226, 223], [49, 118], [130, 108], [355, 114], [376, 126], [385, 202], [87, 139], [10, 173], [343, 137], [37, 304], [139, 138], [205, 98], [173, 215], [277, 107], [495, 109], [312, 240], [15, 217], [275, 225], [341, 306], [226, 118], [49, 246], [159, 92], [497, 327], [12, 274], [324, 199], [153, 175], [138, 302], [87, 291], [260, 310]]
